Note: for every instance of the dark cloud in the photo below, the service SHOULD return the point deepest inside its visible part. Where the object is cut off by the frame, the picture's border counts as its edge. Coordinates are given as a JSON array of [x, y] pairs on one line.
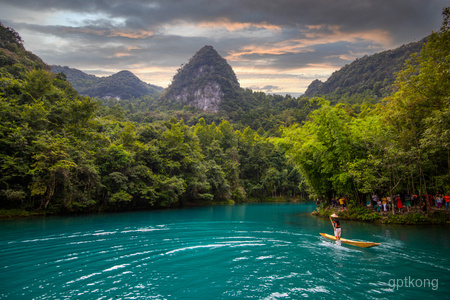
[[259, 35], [331, 54], [418, 17]]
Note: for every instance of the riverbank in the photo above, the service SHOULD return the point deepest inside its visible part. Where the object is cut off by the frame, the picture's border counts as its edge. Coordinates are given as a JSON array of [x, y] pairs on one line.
[[360, 213], [21, 213]]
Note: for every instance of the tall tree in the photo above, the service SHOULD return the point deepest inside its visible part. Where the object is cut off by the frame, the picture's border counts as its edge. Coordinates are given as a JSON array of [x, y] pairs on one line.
[[423, 93]]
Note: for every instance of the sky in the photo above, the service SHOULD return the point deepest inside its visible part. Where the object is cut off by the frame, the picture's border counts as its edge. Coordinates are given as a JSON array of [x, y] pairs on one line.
[[274, 46]]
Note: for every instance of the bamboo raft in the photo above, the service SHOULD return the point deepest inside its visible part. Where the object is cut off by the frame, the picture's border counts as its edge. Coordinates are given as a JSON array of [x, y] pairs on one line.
[[350, 242]]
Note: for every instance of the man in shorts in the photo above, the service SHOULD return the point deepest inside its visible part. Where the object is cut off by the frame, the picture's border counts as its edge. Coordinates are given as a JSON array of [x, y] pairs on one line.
[[337, 227]]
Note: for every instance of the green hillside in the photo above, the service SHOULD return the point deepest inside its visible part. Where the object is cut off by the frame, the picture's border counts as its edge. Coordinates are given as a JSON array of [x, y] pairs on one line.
[[370, 77], [122, 85], [14, 59]]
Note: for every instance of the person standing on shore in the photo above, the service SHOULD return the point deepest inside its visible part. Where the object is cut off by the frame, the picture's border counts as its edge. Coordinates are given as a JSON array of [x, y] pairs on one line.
[[408, 202], [399, 204], [447, 202], [438, 199], [424, 206], [384, 202], [342, 202]]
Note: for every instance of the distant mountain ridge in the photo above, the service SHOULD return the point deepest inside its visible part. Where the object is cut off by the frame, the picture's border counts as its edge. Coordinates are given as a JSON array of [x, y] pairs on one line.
[[372, 75], [206, 82], [122, 85]]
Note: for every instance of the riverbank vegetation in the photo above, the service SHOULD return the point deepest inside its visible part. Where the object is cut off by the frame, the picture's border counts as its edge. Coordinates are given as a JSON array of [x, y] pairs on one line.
[[399, 146], [64, 153], [361, 213]]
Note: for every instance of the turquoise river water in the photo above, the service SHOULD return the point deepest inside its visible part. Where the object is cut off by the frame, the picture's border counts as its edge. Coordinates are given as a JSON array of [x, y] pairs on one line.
[[245, 251]]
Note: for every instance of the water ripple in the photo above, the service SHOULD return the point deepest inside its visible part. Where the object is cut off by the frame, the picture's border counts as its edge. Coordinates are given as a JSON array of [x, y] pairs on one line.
[[206, 254]]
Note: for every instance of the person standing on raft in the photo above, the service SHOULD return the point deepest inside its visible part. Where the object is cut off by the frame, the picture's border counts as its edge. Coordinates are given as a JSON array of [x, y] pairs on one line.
[[336, 226]]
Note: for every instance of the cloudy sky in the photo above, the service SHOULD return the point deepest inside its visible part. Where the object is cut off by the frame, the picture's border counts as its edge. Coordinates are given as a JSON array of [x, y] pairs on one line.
[[275, 46]]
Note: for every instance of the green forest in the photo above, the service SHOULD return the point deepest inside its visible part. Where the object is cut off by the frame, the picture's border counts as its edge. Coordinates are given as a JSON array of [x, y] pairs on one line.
[[62, 152], [65, 153], [401, 145]]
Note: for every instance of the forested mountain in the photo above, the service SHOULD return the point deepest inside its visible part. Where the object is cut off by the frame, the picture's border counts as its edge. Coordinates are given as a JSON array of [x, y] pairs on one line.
[[206, 82], [367, 77], [122, 85], [62, 152]]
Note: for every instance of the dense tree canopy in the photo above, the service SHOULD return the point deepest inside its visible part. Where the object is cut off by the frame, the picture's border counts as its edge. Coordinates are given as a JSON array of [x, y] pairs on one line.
[[63, 152], [401, 145]]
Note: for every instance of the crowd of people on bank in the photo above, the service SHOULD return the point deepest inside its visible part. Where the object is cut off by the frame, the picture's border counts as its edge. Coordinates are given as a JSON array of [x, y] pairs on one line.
[[339, 202], [404, 202], [399, 202]]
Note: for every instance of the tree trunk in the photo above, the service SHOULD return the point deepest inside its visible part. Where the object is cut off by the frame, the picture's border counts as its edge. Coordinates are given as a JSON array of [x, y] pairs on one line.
[[420, 182], [51, 191]]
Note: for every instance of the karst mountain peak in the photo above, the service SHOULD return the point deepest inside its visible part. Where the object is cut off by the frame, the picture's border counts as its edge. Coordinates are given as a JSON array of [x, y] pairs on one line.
[[206, 82]]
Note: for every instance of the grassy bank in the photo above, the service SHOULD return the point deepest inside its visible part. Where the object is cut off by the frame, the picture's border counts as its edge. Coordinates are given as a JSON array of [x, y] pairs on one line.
[[361, 213], [19, 213]]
